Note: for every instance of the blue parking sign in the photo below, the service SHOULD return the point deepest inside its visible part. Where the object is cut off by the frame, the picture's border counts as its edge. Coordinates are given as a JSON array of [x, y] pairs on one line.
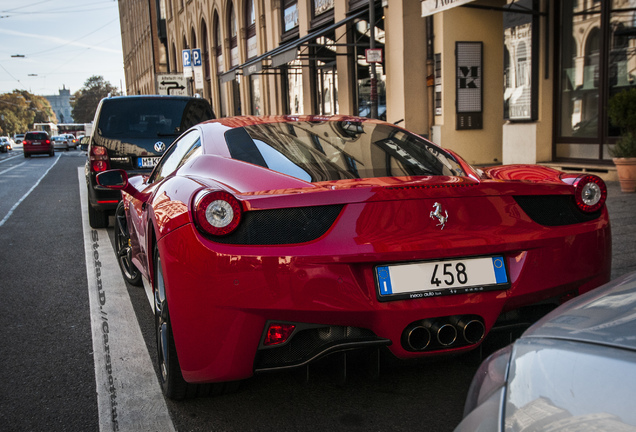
[[187, 59], [196, 57]]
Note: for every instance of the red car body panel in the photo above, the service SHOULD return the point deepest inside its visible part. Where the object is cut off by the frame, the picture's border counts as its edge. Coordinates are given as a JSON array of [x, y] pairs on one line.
[[222, 295]]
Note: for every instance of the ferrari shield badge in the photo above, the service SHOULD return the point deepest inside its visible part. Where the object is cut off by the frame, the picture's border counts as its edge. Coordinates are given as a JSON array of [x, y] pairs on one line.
[[437, 214]]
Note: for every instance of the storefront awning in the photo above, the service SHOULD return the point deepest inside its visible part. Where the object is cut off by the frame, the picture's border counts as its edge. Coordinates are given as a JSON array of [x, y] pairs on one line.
[[430, 7], [286, 52]]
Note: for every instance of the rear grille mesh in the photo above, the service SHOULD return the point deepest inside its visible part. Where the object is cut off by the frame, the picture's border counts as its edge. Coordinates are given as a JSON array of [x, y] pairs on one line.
[[309, 344], [554, 210], [282, 226]]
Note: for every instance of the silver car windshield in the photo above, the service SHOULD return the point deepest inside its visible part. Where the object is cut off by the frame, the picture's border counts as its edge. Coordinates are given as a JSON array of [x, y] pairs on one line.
[[332, 150]]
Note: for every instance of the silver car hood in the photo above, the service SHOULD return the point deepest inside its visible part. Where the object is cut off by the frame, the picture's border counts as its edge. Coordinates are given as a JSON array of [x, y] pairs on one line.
[[604, 316]]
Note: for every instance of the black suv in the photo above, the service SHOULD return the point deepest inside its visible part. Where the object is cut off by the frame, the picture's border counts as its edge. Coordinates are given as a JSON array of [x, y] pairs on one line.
[[131, 133]]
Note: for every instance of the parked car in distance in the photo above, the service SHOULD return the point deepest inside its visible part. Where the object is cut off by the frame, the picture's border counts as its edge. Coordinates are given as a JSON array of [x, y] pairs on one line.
[[18, 138], [270, 242], [60, 142], [131, 133], [72, 141], [575, 369], [37, 142], [5, 144]]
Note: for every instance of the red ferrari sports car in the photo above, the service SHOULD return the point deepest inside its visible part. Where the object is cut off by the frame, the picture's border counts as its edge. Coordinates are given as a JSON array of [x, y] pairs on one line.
[[270, 242]]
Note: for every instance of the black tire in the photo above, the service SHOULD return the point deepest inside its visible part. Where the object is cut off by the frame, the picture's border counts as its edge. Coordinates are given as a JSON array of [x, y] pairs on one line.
[[26, 155], [123, 248], [52, 153], [96, 218], [172, 383], [170, 377]]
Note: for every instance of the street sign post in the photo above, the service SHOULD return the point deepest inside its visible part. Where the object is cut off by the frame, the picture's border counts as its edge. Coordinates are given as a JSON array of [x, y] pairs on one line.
[[172, 84], [197, 65]]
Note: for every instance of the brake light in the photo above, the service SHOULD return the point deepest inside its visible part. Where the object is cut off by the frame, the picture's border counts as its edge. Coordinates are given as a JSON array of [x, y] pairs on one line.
[[278, 333], [217, 212], [47, 142], [25, 142], [590, 193], [99, 159]]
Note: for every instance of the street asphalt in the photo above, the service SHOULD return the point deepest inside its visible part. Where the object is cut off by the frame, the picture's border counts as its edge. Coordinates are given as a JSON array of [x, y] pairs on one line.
[[622, 212]]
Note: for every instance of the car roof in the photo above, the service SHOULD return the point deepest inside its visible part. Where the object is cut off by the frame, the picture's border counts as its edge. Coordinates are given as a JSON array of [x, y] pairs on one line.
[[604, 316]]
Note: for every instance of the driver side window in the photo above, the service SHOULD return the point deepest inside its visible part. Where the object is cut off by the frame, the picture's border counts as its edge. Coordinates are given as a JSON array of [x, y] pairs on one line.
[[183, 149]]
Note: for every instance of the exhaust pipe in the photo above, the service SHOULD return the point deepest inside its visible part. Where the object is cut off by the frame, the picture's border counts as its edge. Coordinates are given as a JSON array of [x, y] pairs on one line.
[[417, 337], [446, 334], [472, 330]]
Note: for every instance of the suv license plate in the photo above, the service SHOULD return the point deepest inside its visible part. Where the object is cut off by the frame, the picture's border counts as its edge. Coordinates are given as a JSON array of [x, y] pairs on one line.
[[147, 162], [436, 278]]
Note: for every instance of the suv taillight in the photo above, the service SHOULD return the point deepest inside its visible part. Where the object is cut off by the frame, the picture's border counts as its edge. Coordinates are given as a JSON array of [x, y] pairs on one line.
[[99, 159], [25, 142], [47, 142]]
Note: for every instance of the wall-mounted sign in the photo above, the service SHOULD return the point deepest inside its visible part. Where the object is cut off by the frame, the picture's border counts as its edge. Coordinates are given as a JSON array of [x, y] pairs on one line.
[[430, 7], [469, 85]]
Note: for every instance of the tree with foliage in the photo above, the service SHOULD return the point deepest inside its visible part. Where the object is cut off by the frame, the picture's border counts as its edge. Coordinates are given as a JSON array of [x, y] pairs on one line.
[[87, 98], [20, 109]]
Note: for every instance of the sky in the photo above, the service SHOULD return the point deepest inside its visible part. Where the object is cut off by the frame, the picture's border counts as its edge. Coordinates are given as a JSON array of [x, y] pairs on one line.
[[64, 42]]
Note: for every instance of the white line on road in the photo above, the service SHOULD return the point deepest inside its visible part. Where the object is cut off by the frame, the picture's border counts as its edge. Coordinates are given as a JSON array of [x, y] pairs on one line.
[[128, 394], [15, 206], [12, 168]]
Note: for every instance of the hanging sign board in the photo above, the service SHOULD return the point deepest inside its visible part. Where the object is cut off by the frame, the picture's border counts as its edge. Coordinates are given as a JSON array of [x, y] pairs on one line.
[[373, 55], [430, 7], [172, 84]]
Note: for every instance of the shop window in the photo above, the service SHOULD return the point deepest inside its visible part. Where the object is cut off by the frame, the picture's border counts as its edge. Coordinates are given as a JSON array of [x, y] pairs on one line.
[[521, 46], [595, 62], [361, 41], [324, 75], [293, 81]]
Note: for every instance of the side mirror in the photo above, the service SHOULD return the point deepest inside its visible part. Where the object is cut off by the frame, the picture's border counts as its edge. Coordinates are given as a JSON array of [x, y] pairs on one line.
[[113, 179]]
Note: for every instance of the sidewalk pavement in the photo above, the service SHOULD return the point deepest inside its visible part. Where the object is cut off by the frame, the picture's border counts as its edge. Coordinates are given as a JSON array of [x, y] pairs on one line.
[[622, 213]]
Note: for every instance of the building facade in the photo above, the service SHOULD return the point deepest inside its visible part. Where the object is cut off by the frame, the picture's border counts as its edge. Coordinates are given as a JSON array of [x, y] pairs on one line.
[[61, 105], [499, 81]]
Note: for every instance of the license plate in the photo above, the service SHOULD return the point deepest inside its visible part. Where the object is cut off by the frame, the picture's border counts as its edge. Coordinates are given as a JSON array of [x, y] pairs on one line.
[[147, 162], [437, 278]]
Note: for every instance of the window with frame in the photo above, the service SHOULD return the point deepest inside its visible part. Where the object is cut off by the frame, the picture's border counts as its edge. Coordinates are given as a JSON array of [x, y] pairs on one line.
[[289, 19]]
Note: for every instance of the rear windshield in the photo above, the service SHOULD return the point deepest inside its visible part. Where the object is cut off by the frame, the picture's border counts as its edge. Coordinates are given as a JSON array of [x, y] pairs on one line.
[[321, 151], [150, 118], [36, 136]]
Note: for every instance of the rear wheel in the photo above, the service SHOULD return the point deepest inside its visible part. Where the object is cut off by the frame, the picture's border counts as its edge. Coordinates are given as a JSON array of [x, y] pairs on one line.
[[123, 247], [26, 155], [172, 383], [96, 218]]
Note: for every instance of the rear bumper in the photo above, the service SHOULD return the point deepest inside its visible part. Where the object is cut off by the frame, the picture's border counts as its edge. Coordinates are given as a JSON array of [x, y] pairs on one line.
[[221, 297]]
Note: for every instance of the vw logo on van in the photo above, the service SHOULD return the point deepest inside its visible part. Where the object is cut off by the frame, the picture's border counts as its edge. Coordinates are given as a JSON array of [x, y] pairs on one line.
[[160, 147]]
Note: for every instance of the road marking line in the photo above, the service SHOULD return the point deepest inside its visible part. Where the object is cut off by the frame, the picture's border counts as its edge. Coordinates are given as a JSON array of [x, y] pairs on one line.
[[128, 394], [15, 206], [8, 158], [12, 168]]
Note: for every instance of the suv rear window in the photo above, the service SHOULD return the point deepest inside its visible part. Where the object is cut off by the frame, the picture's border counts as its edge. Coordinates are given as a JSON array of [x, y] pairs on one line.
[[150, 117], [36, 136]]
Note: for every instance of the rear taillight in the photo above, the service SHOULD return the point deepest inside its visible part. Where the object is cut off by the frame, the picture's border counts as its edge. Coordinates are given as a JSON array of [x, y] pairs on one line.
[[25, 142], [47, 142], [99, 159], [590, 193], [217, 212]]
